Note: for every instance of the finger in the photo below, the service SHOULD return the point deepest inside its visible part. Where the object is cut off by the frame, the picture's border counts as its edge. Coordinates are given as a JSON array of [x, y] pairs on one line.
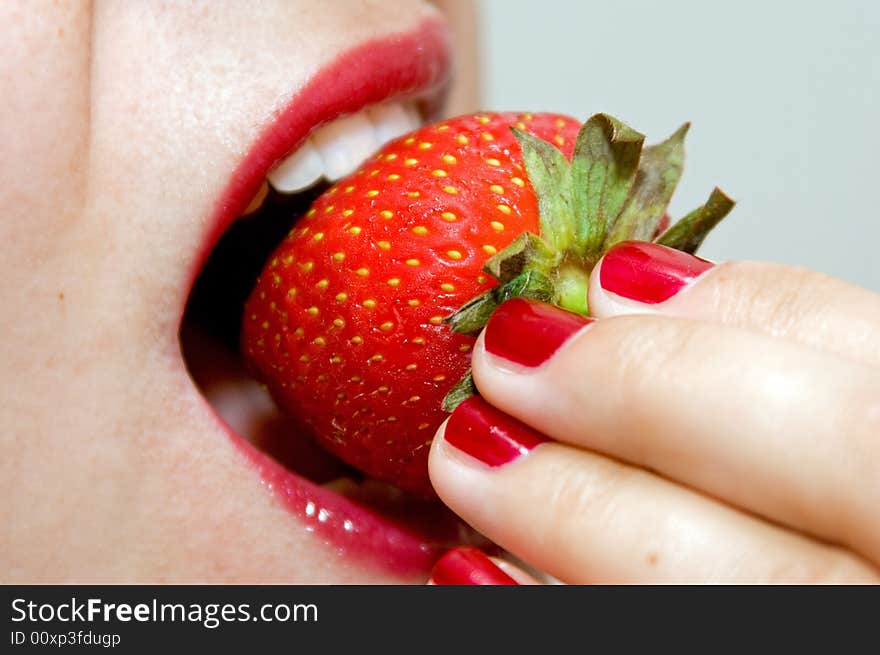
[[772, 426], [471, 566], [585, 518], [783, 301]]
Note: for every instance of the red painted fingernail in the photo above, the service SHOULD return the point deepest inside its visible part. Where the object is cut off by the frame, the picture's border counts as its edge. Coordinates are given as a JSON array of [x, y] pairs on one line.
[[488, 434], [647, 272], [528, 332], [468, 566]]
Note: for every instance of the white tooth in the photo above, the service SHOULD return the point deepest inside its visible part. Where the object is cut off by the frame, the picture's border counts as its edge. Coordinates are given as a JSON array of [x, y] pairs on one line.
[[299, 171], [391, 120], [337, 149], [344, 144]]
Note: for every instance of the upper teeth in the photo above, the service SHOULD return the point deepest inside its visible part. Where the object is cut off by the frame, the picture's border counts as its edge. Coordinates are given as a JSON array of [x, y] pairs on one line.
[[338, 148]]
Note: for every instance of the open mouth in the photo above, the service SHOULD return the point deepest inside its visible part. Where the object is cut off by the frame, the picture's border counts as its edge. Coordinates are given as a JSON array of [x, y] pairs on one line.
[[368, 96]]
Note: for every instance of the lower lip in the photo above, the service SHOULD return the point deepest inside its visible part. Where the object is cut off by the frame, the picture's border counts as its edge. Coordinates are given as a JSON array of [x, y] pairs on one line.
[[356, 532], [414, 62]]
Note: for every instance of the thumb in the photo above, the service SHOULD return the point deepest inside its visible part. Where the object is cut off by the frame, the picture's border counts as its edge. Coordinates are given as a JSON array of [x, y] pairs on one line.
[[470, 566]]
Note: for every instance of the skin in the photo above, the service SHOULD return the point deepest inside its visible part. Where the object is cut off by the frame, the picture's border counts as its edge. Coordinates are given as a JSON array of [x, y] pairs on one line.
[[728, 434], [121, 124], [114, 469]]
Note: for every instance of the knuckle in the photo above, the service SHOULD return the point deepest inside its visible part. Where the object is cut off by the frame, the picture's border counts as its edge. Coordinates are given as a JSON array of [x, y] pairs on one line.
[[584, 497], [774, 295], [646, 348], [651, 357]]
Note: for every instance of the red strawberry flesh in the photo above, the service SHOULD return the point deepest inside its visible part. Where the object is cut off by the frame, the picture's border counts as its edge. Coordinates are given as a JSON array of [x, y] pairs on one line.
[[345, 323]]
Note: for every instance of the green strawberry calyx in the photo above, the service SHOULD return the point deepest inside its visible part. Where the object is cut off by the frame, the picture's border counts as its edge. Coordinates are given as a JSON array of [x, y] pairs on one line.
[[615, 189]]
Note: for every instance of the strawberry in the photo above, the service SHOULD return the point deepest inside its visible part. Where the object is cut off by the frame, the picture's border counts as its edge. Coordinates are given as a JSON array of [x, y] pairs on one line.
[[362, 321]]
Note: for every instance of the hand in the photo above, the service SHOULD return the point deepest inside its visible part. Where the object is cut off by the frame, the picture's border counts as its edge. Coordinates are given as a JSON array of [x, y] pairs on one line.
[[715, 424]]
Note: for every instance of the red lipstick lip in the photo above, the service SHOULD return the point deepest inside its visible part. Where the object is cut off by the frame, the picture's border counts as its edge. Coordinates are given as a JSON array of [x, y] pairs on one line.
[[354, 531], [410, 64], [402, 65]]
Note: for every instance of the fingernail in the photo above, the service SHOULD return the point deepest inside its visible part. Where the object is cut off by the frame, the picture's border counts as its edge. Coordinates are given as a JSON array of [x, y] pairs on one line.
[[488, 434], [647, 272], [468, 566], [528, 332]]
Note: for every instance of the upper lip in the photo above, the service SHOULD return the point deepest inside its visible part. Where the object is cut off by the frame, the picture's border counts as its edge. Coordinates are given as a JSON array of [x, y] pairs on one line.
[[404, 65], [408, 65]]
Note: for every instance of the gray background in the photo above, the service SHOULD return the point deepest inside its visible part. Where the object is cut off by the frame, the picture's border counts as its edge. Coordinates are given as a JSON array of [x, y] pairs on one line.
[[784, 98]]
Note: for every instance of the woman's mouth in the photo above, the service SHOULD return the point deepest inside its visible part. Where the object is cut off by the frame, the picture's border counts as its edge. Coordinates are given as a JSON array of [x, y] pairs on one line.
[[367, 96], [337, 149]]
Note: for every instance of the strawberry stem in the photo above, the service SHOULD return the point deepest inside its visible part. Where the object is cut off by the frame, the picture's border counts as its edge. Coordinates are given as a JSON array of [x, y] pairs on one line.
[[550, 174], [689, 232], [603, 172], [613, 190], [659, 172], [572, 284]]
